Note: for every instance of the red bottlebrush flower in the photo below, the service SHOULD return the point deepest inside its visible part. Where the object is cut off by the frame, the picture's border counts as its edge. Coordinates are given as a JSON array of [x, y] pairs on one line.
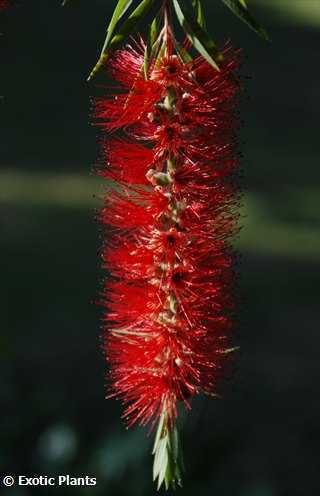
[[128, 163], [169, 296]]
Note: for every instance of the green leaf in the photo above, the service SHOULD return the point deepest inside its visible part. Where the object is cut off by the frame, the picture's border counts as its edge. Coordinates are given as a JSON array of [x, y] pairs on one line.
[[240, 9], [119, 11], [169, 476], [168, 462], [159, 432], [154, 30], [197, 5], [128, 28], [151, 45], [196, 34], [131, 23], [163, 462]]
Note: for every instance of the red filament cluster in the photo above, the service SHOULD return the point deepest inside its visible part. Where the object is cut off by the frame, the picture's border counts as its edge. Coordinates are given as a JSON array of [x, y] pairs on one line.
[[170, 219]]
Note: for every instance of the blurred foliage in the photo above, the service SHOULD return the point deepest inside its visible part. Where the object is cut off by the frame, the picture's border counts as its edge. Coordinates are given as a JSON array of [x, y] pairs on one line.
[[305, 12], [287, 226]]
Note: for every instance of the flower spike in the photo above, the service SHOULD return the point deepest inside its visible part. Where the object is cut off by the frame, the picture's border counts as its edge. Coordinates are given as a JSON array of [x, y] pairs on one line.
[[169, 299]]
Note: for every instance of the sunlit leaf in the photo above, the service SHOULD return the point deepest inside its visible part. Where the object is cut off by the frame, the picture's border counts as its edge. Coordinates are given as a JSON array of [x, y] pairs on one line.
[[128, 28], [160, 459], [159, 433], [120, 10], [196, 34], [131, 23]]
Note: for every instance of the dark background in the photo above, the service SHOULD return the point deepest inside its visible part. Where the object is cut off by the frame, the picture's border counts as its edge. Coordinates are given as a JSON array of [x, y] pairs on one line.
[[262, 438]]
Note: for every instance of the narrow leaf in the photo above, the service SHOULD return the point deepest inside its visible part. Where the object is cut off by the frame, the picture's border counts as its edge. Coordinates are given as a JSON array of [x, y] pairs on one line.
[[163, 463], [175, 462], [159, 433], [151, 44], [128, 28], [154, 30], [131, 23], [239, 8], [160, 458], [119, 11], [197, 5], [197, 35], [169, 479]]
